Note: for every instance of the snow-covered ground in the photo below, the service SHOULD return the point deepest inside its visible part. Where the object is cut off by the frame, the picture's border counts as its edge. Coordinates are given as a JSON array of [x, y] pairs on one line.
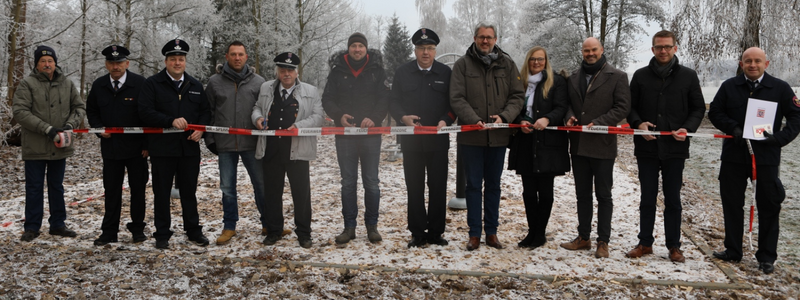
[[72, 267]]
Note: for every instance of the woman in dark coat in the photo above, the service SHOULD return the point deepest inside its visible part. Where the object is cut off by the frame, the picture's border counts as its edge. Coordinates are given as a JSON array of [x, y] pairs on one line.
[[538, 155]]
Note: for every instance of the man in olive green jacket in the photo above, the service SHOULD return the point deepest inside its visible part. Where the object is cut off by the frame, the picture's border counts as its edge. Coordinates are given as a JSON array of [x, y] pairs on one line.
[[45, 104], [485, 87]]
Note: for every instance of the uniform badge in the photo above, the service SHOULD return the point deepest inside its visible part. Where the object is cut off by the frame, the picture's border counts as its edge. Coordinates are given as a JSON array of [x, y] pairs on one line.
[[424, 35], [177, 47], [115, 53], [796, 101], [289, 59]]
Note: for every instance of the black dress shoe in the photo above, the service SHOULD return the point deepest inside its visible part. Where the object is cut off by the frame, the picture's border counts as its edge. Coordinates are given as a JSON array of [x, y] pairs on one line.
[[63, 231], [138, 237], [437, 240], [162, 244], [104, 240], [766, 267], [726, 256], [199, 240], [527, 242], [29, 235], [271, 239], [416, 242], [305, 242]]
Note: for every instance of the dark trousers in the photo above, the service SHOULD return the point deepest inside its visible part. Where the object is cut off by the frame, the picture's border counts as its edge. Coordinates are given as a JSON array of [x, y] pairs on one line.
[[275, 171], [113, 179], [769, 196], [537, 194], [187, 168], [483, 167], [35, 173], [421, 220], [598, 175], [671, 181]]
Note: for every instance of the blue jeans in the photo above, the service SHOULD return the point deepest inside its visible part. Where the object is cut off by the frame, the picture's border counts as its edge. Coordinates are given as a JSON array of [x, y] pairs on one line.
[[349, 150], [35, 171], [483, 167], [228, 165]]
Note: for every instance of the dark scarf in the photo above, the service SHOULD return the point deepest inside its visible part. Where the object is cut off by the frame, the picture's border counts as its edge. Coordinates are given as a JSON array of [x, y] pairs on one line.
[[665, 70], [237, 76], [488, 58], [587, 69]]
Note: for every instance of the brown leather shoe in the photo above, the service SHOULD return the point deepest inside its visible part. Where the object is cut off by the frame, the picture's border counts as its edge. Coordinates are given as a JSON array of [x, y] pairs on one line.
[[577, 244], [602, 250], [474, 243], [491, 241], [676, 255], [639, 251]]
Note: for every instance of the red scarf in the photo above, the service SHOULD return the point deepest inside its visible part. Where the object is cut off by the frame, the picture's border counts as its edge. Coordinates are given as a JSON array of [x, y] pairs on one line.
[[354, 71]]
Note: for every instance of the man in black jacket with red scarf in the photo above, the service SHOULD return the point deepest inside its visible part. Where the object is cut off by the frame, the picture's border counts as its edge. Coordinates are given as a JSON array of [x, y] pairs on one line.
[[356, 96]]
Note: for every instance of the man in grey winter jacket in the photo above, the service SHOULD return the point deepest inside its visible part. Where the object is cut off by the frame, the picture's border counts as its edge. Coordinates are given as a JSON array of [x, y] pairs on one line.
[[287, 103], [232, 94], [45, 104]]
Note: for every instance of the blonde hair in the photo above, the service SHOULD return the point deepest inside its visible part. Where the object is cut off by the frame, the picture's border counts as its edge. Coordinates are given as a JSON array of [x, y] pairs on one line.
[[548, 83]]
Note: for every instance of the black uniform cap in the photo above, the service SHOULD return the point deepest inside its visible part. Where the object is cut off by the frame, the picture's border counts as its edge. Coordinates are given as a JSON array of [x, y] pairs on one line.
[[287, 60], [175, 47], [425, 36], [116, 53]]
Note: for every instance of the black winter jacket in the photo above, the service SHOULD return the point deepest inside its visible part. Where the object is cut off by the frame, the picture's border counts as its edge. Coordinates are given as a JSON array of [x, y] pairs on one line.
[[728, 109], [672, 103], [106, 108], [544, 152], [365, 96], [426, 96], [160, 103]]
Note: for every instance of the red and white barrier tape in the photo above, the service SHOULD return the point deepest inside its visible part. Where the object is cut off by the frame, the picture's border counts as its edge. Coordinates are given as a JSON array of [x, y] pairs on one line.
[[8, 223], [398, 130]]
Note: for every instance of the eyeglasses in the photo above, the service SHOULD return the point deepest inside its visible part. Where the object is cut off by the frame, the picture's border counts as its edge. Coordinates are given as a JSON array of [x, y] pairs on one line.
[[484, 38], [426, 48], [664, 47], [537, 59]]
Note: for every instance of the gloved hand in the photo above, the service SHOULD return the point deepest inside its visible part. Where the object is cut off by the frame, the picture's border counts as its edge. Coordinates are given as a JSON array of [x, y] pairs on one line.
[[213, 148], [737, 136], [53, 133], [771, 140]]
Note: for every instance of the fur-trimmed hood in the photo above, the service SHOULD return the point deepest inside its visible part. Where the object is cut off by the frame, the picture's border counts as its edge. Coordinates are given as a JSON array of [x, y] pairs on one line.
[[375, 57]]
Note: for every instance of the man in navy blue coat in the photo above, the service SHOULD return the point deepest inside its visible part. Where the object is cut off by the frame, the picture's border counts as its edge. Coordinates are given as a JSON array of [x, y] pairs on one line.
[[420, 96], [113, 102], [172, 98], [727, 113]]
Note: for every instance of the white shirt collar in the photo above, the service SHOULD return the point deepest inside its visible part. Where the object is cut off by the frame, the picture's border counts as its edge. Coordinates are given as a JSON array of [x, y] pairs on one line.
[[424, 69], [759, 78], [289, 90], [121, 79]]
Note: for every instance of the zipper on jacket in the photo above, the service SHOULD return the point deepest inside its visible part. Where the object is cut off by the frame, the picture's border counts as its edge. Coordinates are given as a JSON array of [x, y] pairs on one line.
[[235, 104]]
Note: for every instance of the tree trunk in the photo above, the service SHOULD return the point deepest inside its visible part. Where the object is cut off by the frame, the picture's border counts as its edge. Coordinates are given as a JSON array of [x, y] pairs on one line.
[[751, 29], [620, 20], [84, 9], [603, 20], [587, 24], [16, 48]]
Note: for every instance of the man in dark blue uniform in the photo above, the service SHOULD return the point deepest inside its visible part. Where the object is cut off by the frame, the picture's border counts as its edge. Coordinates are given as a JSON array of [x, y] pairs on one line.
[[421, 97], [113, 102], [172, 98], [727, 113]]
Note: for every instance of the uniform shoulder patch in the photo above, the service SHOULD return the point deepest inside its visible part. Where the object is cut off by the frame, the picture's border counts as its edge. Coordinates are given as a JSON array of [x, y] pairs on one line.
[[796, 101]]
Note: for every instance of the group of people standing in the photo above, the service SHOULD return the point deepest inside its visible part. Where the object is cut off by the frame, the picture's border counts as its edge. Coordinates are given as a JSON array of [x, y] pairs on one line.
[[483, 87]]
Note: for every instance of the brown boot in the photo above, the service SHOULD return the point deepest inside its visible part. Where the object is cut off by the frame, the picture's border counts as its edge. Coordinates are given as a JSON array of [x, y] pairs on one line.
[[474, 243], [226, 236], [639, 251], [602, 250], [491, 241], [577, 244], [676, 255]]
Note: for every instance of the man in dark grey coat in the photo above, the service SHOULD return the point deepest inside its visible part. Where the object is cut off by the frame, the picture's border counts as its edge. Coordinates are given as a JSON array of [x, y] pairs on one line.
[[232, 94], [665, 96], [599, 95]]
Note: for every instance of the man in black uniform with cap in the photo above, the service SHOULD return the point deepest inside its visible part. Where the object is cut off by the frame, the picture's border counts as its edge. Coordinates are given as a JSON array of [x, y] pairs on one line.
[[113, 102], [287, 103], [420, 96], [172, 98]]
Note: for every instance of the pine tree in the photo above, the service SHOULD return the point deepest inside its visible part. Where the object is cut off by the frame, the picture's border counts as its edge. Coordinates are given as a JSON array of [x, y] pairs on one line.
[[397, 48]]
